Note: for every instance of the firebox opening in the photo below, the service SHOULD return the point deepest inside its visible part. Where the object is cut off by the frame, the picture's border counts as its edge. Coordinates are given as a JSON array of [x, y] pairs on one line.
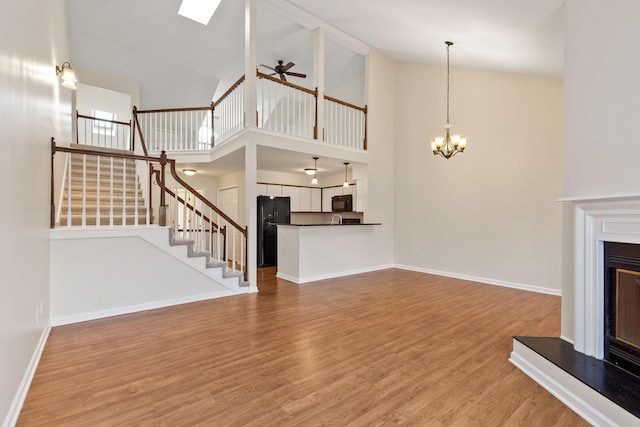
[[622, 305]]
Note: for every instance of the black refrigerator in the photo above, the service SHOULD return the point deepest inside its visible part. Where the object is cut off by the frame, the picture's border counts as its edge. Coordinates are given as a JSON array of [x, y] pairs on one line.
[[271, 211]]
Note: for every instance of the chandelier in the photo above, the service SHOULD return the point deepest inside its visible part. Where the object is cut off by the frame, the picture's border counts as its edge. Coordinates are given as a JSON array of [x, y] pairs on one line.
[[448, 145]]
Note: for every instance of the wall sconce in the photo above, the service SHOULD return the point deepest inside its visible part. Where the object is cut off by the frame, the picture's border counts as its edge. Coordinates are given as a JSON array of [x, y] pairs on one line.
[[68, 75], [189, 172]]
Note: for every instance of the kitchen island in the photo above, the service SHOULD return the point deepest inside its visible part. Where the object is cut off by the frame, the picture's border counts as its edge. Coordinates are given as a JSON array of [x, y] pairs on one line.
[[310, 252]]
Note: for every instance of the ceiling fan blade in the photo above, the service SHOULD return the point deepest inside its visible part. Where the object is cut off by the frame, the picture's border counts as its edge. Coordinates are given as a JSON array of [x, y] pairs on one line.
[[291, 73], [289, 65], [266, 66]]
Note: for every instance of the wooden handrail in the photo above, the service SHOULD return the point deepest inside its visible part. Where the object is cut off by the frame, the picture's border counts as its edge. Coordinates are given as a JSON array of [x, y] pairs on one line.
[[169, 110], [120, 155], [156, 173], [285, 83], [82, 116], [197, 195], [228, 92], [346, 104]]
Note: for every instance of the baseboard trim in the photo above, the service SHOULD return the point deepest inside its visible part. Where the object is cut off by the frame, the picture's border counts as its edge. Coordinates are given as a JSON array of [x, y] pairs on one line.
[[101, 314], [309, 279], [23, 389], [521, 286], [582, 399]]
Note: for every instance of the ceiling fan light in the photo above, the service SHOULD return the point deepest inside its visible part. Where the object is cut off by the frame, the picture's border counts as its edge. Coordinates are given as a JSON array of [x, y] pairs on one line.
[[310, 171], [314, 181]]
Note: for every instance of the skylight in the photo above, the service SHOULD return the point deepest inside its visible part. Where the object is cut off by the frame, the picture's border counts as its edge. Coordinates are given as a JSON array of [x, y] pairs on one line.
[[199, 10]]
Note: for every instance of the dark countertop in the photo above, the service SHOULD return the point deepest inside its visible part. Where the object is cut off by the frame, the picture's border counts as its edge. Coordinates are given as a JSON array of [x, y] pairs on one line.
[[331, 225]]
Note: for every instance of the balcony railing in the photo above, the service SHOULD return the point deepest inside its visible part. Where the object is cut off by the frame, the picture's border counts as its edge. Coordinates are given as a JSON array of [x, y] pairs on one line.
[[281, 107], [103, 133]]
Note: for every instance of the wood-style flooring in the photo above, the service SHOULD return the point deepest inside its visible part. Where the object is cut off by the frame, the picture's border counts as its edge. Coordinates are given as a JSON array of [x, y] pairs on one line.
[[386, 348]]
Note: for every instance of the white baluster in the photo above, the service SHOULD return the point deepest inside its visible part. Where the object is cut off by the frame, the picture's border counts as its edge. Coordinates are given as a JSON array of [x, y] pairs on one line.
[[98, 191], [135, 193], [111, 193], [69, 166], [84, 190], [124, 191]]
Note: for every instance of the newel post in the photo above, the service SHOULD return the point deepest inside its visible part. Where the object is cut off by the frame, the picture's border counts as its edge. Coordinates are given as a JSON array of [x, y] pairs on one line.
[[163, 207], [213, 120], [132, 127], [151, 172], [53, 206]]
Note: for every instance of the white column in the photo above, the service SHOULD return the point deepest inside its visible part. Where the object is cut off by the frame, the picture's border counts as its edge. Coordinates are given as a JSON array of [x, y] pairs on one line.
[[251, 216], [250, 103]]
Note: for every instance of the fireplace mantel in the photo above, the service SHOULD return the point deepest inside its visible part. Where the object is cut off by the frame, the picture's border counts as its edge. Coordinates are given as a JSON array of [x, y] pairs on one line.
[[597, 220]]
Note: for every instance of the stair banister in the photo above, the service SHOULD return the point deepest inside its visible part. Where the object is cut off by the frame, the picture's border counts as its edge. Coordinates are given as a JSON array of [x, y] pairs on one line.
[[111, 155], [244, 231]]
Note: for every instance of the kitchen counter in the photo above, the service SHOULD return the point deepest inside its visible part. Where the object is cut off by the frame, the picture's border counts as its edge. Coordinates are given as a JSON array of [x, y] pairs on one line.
[[310, 252], [325, 224]]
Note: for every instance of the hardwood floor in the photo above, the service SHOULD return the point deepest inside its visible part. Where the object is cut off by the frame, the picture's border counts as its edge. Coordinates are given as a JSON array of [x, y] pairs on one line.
[[389, 347]]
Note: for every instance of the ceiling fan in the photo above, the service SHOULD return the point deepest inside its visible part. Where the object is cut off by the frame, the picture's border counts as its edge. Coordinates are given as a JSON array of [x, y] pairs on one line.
[[283, 70]]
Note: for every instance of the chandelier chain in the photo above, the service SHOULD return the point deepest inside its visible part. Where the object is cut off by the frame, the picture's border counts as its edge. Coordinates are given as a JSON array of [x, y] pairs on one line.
[[448, 44]]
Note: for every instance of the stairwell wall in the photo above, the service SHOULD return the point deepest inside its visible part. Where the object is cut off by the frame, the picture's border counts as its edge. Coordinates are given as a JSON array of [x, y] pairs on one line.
[[34, 107]]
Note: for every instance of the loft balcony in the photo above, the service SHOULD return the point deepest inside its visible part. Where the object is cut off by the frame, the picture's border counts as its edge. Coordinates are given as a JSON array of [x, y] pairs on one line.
[[281, 107]]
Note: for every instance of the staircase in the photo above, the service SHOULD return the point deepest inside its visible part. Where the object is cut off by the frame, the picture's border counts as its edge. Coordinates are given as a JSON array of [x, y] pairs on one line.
[[103, 201], [116, 191]]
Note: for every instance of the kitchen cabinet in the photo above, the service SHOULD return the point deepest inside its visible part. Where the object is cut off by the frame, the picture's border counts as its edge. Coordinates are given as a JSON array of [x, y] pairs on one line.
[[316, 200], [274, 190], [327, 194], [305, 199], [294, 194]]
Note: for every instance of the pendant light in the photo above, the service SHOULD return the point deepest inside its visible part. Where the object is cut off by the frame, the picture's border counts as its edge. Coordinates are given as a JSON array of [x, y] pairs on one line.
[[448, 145], [346, 182], [313, 171]]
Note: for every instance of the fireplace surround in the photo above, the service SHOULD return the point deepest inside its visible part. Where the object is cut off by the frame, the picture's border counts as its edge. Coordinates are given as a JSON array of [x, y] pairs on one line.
[[596, 221], [622, 305]]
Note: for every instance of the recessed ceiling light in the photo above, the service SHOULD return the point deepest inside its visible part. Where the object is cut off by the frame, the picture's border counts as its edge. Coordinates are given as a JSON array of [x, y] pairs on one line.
[[199, 10]]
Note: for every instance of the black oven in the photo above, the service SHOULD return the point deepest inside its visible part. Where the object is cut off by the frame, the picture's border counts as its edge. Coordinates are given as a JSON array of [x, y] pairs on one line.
[[342, 203]]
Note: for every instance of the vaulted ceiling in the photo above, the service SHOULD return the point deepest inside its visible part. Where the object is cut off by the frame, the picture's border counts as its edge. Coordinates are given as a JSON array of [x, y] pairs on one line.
[[181, 63], [146, 40]]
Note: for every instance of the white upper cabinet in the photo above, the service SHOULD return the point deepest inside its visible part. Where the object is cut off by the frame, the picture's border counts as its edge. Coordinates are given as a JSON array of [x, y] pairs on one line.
[[316, 200]]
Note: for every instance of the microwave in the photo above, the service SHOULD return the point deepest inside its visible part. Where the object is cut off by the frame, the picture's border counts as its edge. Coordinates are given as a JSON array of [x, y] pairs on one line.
[[342, 203]]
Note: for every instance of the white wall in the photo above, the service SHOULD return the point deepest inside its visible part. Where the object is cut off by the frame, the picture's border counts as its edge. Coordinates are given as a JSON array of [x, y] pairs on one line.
[[137, 275], [602, 92], [117, 84], [602, 106], [489, 214], [33, 107], [381, 91], [89, 98]]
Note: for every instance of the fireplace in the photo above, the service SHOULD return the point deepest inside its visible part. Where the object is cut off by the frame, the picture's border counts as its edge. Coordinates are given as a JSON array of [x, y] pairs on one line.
[[577, 371], [622, 305]]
